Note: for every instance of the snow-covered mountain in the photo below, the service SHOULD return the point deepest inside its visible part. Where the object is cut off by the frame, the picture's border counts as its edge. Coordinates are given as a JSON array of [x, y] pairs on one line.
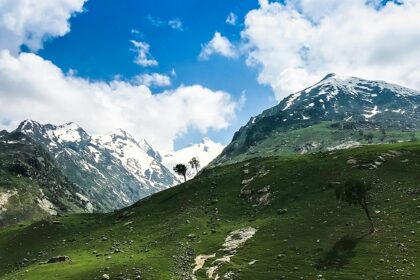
[[336, 112], [341, 97], [113, 170], [205, 151], [139, 158]]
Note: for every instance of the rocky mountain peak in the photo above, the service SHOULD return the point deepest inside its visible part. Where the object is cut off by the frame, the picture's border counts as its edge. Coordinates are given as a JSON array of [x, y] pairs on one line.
[[119, 133], [3, 133], [29, 126]]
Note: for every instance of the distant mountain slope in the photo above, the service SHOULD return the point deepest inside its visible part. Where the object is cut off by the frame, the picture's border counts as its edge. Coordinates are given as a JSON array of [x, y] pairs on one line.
[[336, 112], [31, 184], [205, 151], [114, 170]]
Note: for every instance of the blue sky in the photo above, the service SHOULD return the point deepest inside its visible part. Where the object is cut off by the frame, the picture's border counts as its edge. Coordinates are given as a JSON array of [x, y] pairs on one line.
[[98, 47]]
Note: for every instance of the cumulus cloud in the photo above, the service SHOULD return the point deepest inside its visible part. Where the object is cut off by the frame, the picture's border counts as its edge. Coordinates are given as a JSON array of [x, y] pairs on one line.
[[296, 43], [143, 56], [218, 45], [33, 88], [231, 19], [153, 79], [30, 22]]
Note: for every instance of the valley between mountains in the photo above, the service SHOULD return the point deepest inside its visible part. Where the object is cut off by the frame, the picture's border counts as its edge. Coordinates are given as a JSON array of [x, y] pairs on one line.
[[76, 206], [100, 173]]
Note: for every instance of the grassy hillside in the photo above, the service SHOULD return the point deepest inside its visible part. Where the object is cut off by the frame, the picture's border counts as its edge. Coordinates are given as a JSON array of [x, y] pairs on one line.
[[268, 218], [322, 136]]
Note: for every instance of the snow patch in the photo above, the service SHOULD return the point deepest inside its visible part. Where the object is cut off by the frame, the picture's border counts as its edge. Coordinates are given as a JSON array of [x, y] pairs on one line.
[[233, 242], [370, 113], [291, 100], [200, 261], [237, 238], [68, 133]]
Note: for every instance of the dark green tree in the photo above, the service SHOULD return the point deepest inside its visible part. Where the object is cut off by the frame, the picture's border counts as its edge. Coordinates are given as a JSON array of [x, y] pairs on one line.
[[355, 192], [195, 163], [181, 169]]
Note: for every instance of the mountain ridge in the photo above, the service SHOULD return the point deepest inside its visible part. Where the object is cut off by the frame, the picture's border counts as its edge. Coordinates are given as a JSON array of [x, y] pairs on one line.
[[114, 168], [350, 103]]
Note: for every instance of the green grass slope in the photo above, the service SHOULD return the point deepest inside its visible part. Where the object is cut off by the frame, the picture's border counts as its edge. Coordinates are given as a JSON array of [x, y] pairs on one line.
[[235, 215], [321, 136]]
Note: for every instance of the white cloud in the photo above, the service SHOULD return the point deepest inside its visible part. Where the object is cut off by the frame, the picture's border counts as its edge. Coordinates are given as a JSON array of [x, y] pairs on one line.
[[231, 19], [175, 23], [218, 45], [143, 58], [295, 44], [30, 22], [155, 21], [33, 88], [153, 79]]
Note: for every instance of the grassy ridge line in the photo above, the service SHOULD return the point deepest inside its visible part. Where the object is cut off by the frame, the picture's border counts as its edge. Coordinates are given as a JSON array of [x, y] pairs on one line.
[[324, 135], [161, 236]]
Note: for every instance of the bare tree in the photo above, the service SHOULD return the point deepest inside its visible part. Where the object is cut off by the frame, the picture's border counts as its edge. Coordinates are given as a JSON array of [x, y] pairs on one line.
[[195, 163], [355, 192]]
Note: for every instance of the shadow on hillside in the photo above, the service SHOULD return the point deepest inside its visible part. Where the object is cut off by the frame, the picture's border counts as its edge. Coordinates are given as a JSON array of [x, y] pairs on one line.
[[340, 254]]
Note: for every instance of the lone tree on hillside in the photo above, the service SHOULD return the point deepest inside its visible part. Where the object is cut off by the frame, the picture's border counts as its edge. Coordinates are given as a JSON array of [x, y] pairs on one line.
[[195, 163], [355, 192], [181, 169]]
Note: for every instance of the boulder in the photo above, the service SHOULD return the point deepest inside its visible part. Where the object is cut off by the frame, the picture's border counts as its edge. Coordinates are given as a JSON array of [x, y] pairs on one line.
[[59, 259], [352, 161], [281, 211]]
